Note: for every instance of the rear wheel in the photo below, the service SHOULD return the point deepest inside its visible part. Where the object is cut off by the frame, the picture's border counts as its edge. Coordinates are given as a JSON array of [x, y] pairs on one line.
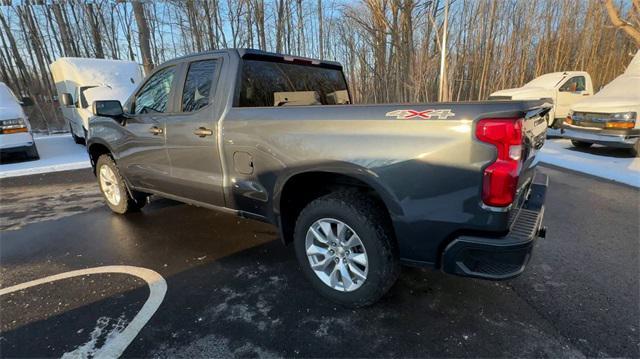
[[114, 189], [346, 248], [581, 144]]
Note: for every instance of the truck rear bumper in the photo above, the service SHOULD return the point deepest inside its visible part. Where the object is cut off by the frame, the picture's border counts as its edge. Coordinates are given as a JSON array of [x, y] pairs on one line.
[[505, 257]]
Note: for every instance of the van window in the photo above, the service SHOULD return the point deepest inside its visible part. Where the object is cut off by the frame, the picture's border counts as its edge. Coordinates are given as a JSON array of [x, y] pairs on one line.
[[574, 84], [197, 86], [81, 101], [266, 84], [154, 95]]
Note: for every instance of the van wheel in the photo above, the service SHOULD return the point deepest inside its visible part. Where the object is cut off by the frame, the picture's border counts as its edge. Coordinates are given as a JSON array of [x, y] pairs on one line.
[[346, 248], [635, 150], [86, 136], [32, 153], [76, 139], [557, 124], [580, 144], [114, 189]]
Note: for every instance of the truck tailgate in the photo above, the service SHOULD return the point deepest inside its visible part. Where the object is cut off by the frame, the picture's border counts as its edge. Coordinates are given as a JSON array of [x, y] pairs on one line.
[[535, 132]]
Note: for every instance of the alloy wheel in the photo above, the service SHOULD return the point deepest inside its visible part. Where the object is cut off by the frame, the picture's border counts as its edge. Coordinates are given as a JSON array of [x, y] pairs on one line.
[[336, 254]]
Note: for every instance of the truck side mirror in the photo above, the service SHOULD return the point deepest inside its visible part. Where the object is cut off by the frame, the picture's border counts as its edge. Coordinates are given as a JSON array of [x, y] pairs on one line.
[[66, 99], [26, 101], [108, 108]]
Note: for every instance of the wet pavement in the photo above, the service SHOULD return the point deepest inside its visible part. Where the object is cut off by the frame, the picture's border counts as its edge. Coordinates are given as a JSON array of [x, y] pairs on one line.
[[232, 289]]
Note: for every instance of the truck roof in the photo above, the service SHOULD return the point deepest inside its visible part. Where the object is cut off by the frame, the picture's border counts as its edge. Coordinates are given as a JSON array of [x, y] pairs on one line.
[[254, 53]]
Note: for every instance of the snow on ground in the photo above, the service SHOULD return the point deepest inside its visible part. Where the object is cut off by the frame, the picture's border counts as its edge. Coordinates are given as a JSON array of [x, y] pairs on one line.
[[611, 163], [57, 153], [60, 153]]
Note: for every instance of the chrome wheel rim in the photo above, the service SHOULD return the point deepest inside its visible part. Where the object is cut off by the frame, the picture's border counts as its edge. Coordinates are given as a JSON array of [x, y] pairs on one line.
[[336, 254], [109, 185]]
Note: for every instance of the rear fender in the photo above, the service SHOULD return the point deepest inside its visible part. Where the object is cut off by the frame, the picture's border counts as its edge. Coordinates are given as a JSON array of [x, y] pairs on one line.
[[341, 168]]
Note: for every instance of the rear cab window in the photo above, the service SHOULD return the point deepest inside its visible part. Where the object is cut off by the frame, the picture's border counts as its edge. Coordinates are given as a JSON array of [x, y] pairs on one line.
[[272, 83], [198, 85]]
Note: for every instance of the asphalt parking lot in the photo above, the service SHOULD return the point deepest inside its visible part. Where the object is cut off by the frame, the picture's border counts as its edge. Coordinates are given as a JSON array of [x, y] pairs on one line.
[[233, 290]]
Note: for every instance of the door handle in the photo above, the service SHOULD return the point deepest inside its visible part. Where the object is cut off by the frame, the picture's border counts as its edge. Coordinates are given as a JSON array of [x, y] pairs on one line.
[[155, 130], [203, 132]]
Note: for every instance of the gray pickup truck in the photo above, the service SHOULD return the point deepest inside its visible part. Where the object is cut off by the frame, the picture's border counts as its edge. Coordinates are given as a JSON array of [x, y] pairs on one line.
[[358, 189]]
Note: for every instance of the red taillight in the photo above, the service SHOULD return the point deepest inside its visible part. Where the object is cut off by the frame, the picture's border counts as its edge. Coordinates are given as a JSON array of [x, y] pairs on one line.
[[500, 179]]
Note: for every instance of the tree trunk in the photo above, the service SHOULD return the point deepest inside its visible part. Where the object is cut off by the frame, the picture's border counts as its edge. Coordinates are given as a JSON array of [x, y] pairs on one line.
[[143, 36], [279, 25], [632, 31], [95, 30], [320, 31]]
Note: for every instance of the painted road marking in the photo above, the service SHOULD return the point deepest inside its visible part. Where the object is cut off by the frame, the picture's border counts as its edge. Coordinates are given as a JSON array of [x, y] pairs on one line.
[[116, 346]]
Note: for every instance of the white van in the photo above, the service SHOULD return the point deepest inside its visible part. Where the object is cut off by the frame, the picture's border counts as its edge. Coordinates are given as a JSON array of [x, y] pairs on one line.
[[15, 130], [564, 88], [610, 117], [80, 81]]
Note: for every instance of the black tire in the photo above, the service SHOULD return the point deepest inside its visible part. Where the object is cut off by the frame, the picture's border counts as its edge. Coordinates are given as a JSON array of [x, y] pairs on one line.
[[369, 220], [126, 203], [76, 139], [581, 144], [635, 150], [32, 153]]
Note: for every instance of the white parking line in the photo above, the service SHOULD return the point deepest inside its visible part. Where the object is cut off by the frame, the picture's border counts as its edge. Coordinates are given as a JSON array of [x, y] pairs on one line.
[[115, 347]]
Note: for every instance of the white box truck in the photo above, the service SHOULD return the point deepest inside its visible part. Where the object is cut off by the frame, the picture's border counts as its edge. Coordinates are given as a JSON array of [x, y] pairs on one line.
[[80, 81], [564, 88]]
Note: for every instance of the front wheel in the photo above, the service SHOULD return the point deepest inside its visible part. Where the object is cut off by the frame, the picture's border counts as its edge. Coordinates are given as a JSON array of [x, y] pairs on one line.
[[76, 139], [581, 144], [114, 189], [32, 153], [635, 150], [346, 248], [557, 124]]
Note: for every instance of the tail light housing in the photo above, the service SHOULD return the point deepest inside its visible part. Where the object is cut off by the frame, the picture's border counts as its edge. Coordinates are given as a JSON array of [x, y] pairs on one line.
[[500, 178]]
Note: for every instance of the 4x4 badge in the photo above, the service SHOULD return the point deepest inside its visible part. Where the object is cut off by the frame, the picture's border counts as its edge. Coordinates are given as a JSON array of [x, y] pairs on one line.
[[426, 114]]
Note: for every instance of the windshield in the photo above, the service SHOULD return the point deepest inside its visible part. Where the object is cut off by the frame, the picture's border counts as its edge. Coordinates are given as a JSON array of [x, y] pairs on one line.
[[267, 83], [6, 95]]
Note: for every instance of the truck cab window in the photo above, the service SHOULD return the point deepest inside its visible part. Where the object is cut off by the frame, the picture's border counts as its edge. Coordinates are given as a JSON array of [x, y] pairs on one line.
[[268, 83], [154, 95], [197, 86], [574, 84]]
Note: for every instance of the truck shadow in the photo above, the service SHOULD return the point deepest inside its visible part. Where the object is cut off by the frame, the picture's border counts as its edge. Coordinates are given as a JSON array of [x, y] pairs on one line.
[[603, 151]]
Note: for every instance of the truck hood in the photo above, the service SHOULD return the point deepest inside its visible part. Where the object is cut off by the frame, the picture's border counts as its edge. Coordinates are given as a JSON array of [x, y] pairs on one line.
[[606, 106], [525, 93], [620, 95]]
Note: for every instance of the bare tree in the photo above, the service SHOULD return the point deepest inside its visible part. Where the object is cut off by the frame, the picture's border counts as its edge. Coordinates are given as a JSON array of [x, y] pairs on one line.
[[94, 25], [143, 35], [632, 30]]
